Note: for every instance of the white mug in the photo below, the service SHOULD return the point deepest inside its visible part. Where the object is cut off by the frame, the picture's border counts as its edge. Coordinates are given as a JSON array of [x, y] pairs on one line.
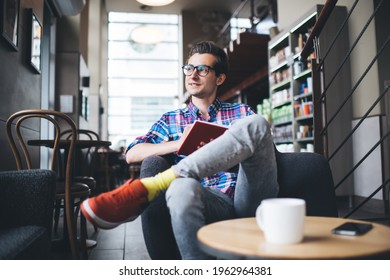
[[282, 220]]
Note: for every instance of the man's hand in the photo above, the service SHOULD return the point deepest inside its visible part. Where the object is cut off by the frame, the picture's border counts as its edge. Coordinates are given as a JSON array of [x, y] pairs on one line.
[[184, 135], [142, 150]]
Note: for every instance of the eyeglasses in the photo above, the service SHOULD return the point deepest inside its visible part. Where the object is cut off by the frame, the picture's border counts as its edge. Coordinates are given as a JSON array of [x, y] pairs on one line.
[[202, 70]]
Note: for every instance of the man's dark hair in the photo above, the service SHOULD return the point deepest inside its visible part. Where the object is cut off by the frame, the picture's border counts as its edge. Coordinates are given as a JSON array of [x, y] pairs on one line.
[[222, 65]]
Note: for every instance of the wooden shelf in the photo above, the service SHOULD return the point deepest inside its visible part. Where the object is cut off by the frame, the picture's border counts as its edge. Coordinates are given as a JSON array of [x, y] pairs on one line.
[[249, 81], [248, 61], [289, 42]]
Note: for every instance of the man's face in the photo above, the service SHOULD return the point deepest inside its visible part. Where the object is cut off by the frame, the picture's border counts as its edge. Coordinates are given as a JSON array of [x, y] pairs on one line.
[[206, 86]]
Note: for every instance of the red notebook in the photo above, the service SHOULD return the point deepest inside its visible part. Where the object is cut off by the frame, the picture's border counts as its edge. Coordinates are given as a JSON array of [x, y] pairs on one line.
[[200, 132]]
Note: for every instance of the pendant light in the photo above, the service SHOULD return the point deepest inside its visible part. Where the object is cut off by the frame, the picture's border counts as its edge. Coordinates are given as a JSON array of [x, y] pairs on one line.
[[155, 2], [144, 38]]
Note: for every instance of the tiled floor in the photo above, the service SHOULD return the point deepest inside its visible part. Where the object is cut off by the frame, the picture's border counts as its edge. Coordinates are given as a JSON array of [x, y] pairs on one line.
[[125, 242]]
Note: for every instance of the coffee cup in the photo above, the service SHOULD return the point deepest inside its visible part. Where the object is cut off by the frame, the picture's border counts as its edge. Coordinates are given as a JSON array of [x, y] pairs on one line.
[[282, 220]]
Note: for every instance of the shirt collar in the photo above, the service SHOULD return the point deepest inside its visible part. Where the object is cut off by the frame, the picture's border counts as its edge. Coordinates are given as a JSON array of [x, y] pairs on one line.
[[213, 109]]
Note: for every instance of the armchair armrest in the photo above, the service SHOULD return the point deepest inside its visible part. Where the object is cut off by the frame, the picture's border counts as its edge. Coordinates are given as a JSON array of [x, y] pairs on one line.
[[27, 198]]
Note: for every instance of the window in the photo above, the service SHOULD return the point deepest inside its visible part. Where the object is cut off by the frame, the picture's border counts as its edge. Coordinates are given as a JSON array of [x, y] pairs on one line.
[[143, 79], [238, 25]]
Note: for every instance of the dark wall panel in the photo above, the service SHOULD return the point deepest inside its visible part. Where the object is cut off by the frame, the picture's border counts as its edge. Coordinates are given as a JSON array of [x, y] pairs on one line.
[[20, 85]]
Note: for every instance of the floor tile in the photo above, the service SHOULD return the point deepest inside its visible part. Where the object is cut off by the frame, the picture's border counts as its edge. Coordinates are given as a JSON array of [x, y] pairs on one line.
[[123, 242], [135, 248], [97, 254], [111, 239]]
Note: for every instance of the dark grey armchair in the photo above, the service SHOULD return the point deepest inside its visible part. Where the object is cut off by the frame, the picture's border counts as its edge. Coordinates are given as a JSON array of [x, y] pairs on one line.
[[26, 213], [300, 175]]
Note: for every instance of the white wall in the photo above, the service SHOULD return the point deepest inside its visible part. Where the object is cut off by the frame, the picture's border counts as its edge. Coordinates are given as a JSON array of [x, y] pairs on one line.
[[94, 62], [368, 176]]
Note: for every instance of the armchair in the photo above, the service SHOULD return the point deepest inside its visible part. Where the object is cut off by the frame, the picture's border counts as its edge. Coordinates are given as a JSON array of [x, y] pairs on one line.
[[300, 175], [26, 213]]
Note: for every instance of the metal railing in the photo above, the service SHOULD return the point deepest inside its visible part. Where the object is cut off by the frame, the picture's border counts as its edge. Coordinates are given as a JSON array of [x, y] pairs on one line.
[[325, 85]]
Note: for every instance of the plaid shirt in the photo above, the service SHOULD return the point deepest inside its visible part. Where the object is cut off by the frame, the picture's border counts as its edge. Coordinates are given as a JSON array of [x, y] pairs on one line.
[[171, 125]]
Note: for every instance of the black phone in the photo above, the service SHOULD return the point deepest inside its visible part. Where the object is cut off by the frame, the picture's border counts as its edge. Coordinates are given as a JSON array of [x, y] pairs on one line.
[[351, 228]]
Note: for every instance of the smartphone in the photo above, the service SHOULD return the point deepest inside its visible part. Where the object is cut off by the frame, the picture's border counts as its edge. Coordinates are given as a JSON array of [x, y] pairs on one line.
[[351, 228]]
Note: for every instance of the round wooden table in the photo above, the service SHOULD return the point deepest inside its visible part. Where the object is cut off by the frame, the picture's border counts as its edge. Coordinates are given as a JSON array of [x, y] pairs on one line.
[[242, 239]]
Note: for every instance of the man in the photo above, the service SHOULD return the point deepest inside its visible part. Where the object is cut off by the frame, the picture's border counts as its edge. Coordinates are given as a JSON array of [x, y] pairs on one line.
[[204, 195], [205, 70]]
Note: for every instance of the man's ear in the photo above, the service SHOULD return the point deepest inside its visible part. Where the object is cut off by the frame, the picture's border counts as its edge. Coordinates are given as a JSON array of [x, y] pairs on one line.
[[220, 79]]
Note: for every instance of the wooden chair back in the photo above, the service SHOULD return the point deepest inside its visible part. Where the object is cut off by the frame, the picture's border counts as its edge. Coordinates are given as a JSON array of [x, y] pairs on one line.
[[88, 155]]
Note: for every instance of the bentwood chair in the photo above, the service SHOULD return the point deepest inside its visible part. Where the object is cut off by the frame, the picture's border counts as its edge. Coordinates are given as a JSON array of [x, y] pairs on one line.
[[85, 159], [67, 190]]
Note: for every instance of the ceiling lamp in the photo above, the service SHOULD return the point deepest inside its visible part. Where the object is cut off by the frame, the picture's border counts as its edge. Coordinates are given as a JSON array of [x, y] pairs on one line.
[[144, 38], [155, 2], [146, 34]]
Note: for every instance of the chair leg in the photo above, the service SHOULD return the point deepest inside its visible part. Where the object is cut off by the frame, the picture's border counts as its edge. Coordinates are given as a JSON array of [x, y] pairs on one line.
[[57, 211], [72, 236], [66, 237], [80, 237], [83, 233]]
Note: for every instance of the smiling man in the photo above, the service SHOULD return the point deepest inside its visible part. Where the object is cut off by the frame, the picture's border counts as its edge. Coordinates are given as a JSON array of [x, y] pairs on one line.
[[205, 71]]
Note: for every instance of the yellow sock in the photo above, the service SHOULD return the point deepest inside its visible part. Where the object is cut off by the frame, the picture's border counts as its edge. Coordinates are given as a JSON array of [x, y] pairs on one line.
[[158, 183]]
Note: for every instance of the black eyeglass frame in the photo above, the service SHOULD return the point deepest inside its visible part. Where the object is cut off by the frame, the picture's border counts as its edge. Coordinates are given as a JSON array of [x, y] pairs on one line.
[[197, 69]]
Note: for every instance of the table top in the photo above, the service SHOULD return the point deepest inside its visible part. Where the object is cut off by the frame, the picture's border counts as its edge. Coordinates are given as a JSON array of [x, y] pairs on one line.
[[242, 238], [80, 144]]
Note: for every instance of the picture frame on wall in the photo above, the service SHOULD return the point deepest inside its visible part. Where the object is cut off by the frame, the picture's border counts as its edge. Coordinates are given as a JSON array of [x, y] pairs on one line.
[[36, 42], [10, 22]]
